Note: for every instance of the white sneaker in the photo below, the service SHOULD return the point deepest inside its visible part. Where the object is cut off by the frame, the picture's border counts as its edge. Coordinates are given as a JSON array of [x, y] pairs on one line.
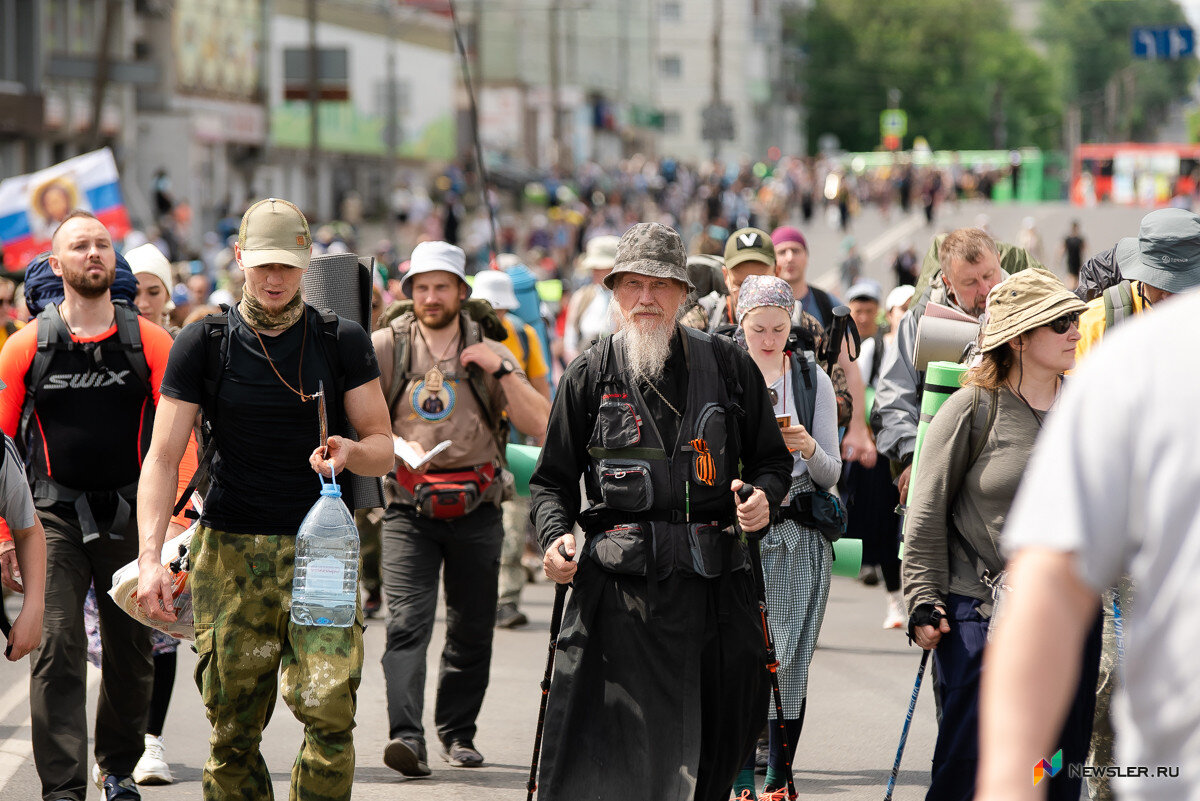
[[896, 618], [152, 768]]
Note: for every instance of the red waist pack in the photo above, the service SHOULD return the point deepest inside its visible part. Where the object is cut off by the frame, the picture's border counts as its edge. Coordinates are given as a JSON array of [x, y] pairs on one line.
[[447, 495]]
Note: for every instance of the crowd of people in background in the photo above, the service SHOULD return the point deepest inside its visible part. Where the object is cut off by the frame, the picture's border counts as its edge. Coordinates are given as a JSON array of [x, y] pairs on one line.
[[565, 278]]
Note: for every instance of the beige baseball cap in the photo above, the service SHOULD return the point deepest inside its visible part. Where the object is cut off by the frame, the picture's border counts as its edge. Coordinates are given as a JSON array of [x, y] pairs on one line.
[[274, 231]]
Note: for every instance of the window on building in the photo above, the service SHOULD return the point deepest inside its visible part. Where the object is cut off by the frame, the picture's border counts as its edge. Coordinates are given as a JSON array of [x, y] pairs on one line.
[[670, 66], [670, 11], [672, 122]]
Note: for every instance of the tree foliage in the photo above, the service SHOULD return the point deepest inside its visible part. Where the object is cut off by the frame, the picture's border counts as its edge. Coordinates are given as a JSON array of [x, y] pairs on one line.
[[1089, 44], [967, 79]]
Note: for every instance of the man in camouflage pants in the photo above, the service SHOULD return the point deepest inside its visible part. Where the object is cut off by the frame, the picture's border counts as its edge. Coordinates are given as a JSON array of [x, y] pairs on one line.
[[273, 352]]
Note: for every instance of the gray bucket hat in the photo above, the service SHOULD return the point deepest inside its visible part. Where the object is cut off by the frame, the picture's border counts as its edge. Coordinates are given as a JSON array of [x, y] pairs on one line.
[[651, 249], [1166, 253]]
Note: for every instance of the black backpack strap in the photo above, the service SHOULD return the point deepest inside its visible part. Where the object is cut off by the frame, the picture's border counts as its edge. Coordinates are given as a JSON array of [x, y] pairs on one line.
[[216, 354], [52, 335], [824, 305], [328, 325], [876, 358], [129, 334], [804, 388], [983, 419]]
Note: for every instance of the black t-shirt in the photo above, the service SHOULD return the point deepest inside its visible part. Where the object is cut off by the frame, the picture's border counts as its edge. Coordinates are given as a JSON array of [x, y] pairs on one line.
[[261, 479]]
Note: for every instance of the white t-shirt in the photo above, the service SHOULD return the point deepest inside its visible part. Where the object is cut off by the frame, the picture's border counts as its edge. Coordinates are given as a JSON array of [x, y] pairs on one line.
[[1115, 479]]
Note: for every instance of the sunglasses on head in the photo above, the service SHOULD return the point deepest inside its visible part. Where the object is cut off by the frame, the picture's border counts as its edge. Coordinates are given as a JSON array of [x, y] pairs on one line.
[[1062, 325]]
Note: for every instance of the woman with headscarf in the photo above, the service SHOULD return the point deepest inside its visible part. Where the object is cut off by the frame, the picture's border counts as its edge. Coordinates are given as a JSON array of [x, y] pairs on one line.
[[971, 462], [796, 559]]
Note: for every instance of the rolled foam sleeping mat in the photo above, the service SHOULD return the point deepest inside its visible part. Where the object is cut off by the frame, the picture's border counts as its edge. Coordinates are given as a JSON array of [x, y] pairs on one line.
[[521, 461], [847, 557], [942, 380]]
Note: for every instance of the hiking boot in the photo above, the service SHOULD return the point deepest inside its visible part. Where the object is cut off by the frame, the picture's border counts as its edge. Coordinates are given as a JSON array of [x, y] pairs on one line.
[[152, 768], [509, 617], [896, 618], [373, 604], [762, 753], [407, 756], [462, 754], [867, 575], [120, 788]]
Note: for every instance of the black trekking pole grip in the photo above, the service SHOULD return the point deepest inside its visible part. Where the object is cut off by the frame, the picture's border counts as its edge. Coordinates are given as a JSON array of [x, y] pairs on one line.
[[744, 492], [556, 615]]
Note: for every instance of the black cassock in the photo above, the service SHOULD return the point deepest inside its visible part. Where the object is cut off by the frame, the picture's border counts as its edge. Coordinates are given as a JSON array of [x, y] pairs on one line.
[[664, 707]]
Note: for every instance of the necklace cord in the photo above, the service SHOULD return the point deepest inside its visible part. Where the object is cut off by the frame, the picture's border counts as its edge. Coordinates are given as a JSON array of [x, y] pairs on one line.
[[299, 373]]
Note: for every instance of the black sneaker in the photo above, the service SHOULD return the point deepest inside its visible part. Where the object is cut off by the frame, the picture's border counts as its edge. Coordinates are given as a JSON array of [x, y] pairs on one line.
[[120, 788], [462, 754], [509, 617], [868, 575], [407, 757]]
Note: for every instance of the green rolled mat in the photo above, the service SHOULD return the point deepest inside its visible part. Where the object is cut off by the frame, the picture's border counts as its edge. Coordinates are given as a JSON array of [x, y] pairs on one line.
[[847, 557], [942, 379], [521, 461], [550, 290]]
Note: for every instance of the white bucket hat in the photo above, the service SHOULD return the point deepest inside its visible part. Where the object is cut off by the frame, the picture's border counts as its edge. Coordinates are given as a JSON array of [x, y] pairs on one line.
[[496, 287], [432, 257]]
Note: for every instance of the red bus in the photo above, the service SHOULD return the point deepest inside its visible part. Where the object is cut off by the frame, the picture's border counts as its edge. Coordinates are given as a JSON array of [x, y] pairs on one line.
[[1133, 173]]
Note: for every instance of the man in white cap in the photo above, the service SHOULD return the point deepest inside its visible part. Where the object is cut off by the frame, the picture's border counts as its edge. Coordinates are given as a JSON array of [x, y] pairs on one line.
[[255, 372], [496, 287], [587, 313], [447, 387]]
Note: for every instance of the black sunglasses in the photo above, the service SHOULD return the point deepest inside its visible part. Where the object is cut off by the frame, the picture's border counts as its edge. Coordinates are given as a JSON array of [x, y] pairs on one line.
[[1062, 325]]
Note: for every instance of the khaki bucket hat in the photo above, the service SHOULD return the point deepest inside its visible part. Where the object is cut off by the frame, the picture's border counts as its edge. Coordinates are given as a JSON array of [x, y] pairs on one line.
[[1024, 301]]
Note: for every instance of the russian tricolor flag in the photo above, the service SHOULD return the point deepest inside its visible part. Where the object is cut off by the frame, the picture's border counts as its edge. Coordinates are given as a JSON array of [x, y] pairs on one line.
[[31, 206]]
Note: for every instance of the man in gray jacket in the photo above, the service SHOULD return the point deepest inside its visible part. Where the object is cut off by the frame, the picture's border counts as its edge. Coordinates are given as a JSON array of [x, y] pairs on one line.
[[970, 267]]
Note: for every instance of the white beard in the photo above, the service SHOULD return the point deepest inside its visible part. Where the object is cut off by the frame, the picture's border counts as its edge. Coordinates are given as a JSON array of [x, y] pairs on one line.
[[646, 347]]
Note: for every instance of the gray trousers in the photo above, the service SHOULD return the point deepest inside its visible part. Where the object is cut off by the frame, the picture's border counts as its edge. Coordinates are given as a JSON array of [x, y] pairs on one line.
[[415, 549], [58, 684]]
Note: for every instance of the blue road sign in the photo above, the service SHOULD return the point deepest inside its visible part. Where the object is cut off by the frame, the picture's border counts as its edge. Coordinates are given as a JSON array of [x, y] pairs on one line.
[[1163, 43]]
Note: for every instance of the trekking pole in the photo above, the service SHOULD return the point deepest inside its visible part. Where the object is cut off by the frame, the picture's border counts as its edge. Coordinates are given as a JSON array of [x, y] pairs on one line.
[[912, 706], [752, 537], [560, 594]]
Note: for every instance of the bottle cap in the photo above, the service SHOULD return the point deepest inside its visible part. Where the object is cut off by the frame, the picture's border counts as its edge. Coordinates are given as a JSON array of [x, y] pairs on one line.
[[331, 489]]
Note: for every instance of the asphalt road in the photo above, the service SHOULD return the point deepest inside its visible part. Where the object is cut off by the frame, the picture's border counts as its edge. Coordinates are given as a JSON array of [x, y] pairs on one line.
[[861, 680], [862, 677]]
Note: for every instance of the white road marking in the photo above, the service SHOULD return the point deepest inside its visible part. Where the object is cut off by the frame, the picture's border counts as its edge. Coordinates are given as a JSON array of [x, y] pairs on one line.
[[16, 751]]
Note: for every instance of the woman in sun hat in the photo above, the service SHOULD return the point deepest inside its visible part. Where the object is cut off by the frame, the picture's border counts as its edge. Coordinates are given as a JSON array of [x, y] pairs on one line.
[[972, 459]]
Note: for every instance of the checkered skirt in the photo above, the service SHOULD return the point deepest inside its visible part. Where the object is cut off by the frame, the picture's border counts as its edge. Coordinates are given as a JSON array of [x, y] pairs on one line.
[[796, 568]]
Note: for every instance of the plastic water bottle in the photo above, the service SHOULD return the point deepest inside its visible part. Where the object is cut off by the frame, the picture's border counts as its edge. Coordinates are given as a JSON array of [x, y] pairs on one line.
[[325, 583]]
